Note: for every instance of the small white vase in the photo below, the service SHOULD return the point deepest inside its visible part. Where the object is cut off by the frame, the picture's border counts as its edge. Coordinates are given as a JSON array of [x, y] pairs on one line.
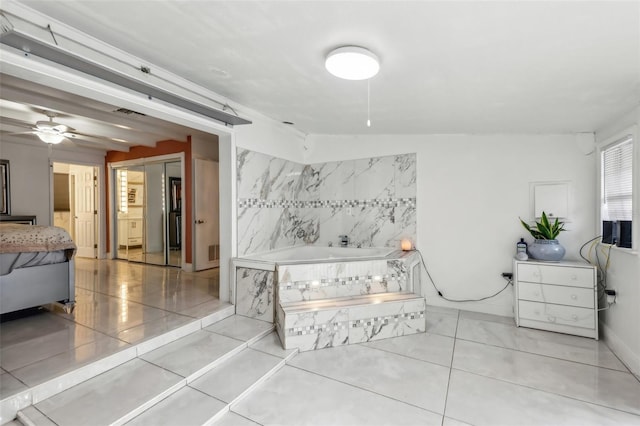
[[549, 250]]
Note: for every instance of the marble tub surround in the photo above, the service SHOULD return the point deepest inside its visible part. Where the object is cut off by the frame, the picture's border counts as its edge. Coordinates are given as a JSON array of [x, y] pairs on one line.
[[331, 304], [305, 282], [282, 203], [336, 322], [254, 294]]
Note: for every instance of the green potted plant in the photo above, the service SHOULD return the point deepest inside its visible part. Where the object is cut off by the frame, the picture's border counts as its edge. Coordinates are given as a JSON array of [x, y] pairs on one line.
[[546, 246]]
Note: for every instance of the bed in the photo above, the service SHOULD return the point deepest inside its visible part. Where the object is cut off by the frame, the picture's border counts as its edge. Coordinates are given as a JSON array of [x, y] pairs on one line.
[[36, 267]]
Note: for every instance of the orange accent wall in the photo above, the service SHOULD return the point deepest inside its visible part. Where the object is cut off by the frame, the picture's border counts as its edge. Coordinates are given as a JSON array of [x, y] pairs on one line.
[[161, 148]]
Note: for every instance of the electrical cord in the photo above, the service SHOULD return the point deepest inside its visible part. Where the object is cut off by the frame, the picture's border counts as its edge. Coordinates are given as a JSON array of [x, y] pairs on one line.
[[602, 269], [601, 283], [424, 265], [584, 245]]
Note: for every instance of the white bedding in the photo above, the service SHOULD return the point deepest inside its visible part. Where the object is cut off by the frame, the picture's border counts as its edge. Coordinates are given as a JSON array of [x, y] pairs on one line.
[[18, 238]]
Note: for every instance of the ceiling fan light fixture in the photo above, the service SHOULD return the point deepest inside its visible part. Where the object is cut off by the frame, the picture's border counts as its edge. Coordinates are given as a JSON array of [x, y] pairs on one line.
[[52, 138], [352, 63]]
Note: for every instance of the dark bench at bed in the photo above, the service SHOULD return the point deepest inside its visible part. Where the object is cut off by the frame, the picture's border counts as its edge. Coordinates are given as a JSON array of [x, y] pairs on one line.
[[27, 220]]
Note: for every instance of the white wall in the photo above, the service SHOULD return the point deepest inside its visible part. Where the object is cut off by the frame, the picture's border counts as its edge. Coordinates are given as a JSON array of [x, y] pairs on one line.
[[270, 137], [471, 190], [30, 174], [621, 323]]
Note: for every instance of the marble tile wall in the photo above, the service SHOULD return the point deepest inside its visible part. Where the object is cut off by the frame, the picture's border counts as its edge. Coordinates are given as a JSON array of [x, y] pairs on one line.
[[282, 203], [373, 200], [254, 293], [267, 215]]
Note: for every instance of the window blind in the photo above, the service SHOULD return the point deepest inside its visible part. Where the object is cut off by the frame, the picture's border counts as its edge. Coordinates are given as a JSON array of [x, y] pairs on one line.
[[617, 178]]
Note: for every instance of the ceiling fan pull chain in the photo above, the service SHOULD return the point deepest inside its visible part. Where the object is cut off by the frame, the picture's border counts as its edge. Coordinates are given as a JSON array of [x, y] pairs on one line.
[[368, 102]]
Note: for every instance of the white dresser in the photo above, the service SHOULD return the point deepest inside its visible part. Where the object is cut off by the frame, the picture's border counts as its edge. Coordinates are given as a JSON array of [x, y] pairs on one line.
[[559, 296]]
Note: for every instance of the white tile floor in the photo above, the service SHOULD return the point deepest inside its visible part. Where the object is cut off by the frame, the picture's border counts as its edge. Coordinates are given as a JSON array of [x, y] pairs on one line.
[[119, 305], [468, 369]]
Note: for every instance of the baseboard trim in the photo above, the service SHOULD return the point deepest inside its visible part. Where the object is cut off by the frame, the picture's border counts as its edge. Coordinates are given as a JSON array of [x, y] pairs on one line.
[[483, 308], [630, 359]]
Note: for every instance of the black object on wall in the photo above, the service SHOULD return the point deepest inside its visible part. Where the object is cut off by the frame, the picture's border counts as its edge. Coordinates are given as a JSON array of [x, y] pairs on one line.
[[609, 234], [624, 233]]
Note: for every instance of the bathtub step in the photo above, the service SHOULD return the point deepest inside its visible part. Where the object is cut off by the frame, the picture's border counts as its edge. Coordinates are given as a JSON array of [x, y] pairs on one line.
[[342, 321], [340, 302]]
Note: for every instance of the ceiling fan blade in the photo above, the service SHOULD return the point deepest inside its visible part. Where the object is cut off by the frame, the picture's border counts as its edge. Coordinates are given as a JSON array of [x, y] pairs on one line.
[[17, 123], [105, 142], [62, 128], [22, 133]]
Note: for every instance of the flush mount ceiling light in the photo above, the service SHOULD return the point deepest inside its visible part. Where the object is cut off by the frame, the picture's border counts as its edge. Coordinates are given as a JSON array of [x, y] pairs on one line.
[[352, 63]]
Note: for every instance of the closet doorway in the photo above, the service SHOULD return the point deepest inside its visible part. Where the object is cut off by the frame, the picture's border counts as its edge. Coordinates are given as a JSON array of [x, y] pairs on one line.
[[148, 212], [75, 204]]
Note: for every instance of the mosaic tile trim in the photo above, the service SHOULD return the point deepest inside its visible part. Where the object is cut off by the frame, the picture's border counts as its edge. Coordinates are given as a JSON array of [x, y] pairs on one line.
[[375, 321], [317, 329], [270, 204], [332, 282], [361, 323]]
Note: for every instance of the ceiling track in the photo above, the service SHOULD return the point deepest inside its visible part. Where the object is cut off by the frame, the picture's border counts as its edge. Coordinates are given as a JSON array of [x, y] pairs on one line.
[[31, 46]]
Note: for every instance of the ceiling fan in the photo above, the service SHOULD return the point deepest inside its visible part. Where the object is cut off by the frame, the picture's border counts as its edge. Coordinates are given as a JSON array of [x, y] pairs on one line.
[[51, 132]]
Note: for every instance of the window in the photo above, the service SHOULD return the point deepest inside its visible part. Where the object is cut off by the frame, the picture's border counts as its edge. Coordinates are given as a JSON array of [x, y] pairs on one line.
[[617, 192]]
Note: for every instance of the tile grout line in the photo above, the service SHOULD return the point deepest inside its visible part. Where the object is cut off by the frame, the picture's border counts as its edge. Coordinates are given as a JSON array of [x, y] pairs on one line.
[[135, 354], [266, 376], [544, 355], [453, 351], [627, 370], [188, 380], [364, 389], [245, 417], [547, 392], [364, 345]]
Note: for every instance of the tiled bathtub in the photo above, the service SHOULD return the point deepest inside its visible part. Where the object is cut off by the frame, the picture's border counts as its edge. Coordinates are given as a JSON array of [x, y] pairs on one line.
[[323, 297]]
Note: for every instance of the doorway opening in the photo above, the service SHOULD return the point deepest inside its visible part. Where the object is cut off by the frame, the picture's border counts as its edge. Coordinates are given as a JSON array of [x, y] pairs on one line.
[[75, 189], [148, 212]]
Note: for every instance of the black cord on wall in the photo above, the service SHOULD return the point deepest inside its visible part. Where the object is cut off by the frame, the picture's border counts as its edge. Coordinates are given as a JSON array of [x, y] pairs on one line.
[[509, 282]]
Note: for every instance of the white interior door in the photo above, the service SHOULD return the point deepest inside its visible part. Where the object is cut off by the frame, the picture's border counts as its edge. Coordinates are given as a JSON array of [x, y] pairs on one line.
[[206, 227], [85, 209]]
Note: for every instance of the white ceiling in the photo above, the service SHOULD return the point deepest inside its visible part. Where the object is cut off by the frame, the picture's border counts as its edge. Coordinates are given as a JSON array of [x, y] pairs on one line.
[[94, 124], [447, 67]]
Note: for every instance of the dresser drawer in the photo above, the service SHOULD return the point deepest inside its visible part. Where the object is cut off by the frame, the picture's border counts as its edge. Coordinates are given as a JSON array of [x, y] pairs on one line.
[[557, 294], [135, 241], [561, 275], [557, 314]]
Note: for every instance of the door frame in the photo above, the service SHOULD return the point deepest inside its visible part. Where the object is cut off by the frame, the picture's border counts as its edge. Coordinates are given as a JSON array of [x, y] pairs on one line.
[[15, 63], [98, 194]]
